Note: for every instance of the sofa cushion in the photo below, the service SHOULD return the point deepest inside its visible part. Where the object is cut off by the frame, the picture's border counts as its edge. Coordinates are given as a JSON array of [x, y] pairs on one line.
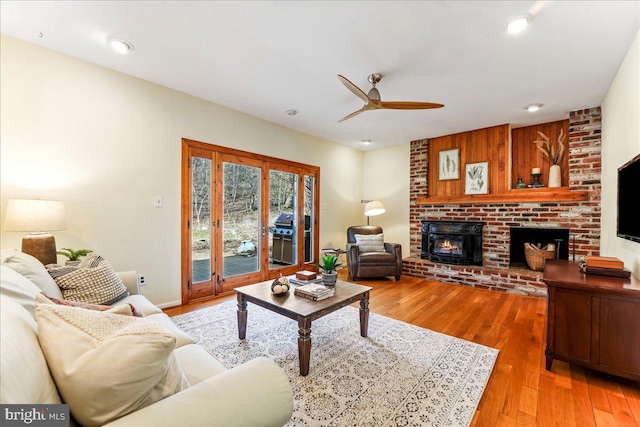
[[182, 338], [141, 303], [370, 243], [23, 368], [18, 288], [124, 309], [93, 281], [33, 270], [378, 258], [106, 365], [197, 363]]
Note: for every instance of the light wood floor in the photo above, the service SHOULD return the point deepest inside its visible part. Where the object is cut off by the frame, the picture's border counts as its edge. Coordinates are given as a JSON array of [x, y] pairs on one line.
[[520, 391]]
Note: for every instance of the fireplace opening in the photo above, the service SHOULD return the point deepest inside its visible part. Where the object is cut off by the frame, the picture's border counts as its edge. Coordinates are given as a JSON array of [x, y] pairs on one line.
[[452, 242], [537, 236]]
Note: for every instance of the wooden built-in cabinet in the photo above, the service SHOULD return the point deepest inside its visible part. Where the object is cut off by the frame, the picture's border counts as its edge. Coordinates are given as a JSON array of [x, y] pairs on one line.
[[510, 154], [592, 321]]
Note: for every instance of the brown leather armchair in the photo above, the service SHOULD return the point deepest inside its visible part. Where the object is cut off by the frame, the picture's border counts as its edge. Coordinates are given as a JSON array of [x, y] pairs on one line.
[[372, 264]]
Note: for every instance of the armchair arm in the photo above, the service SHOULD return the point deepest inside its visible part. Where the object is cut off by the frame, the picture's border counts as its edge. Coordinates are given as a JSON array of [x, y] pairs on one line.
[[130, 280], [256, 393]]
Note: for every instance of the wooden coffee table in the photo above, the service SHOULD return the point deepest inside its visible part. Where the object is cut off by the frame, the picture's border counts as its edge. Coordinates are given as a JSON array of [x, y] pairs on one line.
[[302, 310]]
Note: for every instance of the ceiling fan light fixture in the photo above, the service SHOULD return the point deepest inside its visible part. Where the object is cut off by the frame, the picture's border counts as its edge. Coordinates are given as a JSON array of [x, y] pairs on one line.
[[533, 107], [518, 25], [120, 45]]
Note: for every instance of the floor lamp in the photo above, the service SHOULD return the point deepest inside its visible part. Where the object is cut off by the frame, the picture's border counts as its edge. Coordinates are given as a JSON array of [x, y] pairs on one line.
[[37, 217], [373, 208]]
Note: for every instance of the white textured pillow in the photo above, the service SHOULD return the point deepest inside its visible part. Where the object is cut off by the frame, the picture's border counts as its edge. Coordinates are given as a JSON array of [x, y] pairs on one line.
[[33, 270], [107, 365], [93, 281], [370, 242]]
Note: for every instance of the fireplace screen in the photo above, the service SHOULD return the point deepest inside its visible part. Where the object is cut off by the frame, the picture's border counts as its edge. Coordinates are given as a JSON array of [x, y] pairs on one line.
[[447, 246]]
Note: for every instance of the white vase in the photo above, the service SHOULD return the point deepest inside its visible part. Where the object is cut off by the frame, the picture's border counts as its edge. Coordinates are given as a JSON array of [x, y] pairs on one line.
[[555, 176]]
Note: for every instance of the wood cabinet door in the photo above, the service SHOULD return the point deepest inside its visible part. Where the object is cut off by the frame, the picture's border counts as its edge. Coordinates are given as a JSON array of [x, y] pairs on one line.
[[619, 336], [572, 325]]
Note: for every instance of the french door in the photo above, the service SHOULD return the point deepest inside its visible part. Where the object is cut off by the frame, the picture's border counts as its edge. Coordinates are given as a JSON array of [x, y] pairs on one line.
[[245, 218]]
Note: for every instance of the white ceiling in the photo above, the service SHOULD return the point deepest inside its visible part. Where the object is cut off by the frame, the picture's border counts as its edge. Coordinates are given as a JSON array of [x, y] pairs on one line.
[[264, 58]]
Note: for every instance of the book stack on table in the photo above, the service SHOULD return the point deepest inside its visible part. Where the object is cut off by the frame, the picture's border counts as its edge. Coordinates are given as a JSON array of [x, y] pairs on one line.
[[604, 266], [314, 291]]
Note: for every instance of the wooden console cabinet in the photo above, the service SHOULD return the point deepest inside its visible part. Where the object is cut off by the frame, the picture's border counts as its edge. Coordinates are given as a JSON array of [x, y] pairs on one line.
[[593, 321]]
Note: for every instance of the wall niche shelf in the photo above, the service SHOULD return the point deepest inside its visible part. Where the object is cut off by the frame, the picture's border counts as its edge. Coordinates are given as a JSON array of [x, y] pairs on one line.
[[560, 194]]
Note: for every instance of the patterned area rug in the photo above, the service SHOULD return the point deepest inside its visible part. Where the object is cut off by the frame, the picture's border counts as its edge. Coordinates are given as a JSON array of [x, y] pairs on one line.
[[400, 375]]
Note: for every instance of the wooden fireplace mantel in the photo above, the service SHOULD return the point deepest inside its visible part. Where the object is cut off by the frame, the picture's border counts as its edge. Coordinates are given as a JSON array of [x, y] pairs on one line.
[[561, 194]]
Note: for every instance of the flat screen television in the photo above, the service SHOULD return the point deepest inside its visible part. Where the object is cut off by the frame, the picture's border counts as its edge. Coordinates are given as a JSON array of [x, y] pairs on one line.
[[628, 198]]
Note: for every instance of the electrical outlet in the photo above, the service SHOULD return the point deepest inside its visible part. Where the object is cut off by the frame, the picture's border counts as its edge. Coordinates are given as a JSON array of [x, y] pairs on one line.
[[142, 280], [157, 201]]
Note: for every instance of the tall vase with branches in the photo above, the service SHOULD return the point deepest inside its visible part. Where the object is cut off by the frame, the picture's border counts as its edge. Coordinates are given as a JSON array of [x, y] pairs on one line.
[[554, 153]]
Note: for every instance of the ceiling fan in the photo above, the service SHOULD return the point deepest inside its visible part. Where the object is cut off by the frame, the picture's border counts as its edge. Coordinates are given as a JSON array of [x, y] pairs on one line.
[[373, 102]]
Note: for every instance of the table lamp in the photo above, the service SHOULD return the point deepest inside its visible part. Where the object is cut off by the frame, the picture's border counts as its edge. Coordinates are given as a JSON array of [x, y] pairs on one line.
[[37, 217], [373, 208]]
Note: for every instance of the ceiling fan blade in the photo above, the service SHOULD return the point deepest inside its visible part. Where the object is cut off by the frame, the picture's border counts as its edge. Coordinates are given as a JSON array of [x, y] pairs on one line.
[[353, 88], [355, 113], [408, 105]]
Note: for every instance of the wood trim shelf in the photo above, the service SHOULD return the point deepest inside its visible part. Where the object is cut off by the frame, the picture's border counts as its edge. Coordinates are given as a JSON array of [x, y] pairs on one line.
[[561, 194]]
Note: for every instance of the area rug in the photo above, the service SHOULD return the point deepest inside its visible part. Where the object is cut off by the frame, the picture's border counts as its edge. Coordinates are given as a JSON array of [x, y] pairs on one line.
[[400, 375]]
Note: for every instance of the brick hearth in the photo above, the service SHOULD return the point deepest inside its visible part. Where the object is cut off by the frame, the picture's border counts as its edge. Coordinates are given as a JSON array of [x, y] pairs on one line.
[[582, 218]]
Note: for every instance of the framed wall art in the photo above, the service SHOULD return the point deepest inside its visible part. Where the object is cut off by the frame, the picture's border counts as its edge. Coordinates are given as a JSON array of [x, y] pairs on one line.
[[449, 164], [476, 178]]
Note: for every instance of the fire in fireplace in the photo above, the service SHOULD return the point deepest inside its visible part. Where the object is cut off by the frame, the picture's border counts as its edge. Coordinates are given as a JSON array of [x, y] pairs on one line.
[[452, 242]]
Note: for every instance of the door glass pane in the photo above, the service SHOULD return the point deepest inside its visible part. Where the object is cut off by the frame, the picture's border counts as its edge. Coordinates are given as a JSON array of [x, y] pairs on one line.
[[283, 190], [309, 189], [240, 219], [201, 219]]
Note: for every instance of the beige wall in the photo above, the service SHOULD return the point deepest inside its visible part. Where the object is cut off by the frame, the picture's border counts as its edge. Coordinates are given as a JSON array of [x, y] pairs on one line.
[[620, 143], [106, 143], [386, 178]]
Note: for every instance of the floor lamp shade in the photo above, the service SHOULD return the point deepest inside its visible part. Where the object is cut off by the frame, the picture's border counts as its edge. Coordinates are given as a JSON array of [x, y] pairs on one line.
[[373, 208], [36, 217]]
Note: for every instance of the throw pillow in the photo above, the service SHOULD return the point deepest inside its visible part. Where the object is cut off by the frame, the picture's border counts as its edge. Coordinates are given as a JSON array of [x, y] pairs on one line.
[[33, 270], [370, 242], [126, 309], [106, 365], [93, 281]]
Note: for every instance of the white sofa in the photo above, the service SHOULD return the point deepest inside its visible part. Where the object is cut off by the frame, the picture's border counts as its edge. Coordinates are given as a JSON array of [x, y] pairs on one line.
[[256, 393]]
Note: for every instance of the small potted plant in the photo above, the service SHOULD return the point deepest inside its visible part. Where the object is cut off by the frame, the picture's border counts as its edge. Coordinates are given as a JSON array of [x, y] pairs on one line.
[[74, 256], [328, 264]]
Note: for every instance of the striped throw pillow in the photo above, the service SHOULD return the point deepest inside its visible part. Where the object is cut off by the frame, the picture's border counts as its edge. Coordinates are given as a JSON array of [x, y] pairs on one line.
[[370, 242], [92, 281]]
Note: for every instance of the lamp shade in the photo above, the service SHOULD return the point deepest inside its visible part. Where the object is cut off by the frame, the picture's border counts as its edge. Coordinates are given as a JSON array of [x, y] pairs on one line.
[[373, 208], [34, 215]]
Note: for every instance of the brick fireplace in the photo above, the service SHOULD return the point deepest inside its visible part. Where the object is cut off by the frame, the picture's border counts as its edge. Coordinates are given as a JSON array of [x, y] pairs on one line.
[[581, 218]]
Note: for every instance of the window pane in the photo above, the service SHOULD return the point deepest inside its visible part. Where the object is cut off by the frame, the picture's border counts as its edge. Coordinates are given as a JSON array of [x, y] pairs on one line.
[[240, 219], [283, 190], [201, 219]]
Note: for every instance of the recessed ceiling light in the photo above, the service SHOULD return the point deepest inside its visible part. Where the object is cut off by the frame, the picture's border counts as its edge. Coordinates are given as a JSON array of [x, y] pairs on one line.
[[120, 45], [292, 112], [366, 142], [533, 107], [518, 25]]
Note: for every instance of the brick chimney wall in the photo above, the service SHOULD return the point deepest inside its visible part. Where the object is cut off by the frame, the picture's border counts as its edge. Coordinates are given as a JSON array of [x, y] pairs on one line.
[[582, 218]]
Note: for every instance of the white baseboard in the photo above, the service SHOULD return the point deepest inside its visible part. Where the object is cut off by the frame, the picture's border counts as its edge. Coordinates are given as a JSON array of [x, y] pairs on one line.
[[169, 304]]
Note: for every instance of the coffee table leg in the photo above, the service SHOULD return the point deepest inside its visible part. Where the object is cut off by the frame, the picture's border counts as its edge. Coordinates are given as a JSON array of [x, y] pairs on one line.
[[364, 315], [304, 345], [242, 317]]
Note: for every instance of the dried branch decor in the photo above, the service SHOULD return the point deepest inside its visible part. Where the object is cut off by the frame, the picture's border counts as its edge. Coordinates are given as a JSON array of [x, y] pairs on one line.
[[552, 152]]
